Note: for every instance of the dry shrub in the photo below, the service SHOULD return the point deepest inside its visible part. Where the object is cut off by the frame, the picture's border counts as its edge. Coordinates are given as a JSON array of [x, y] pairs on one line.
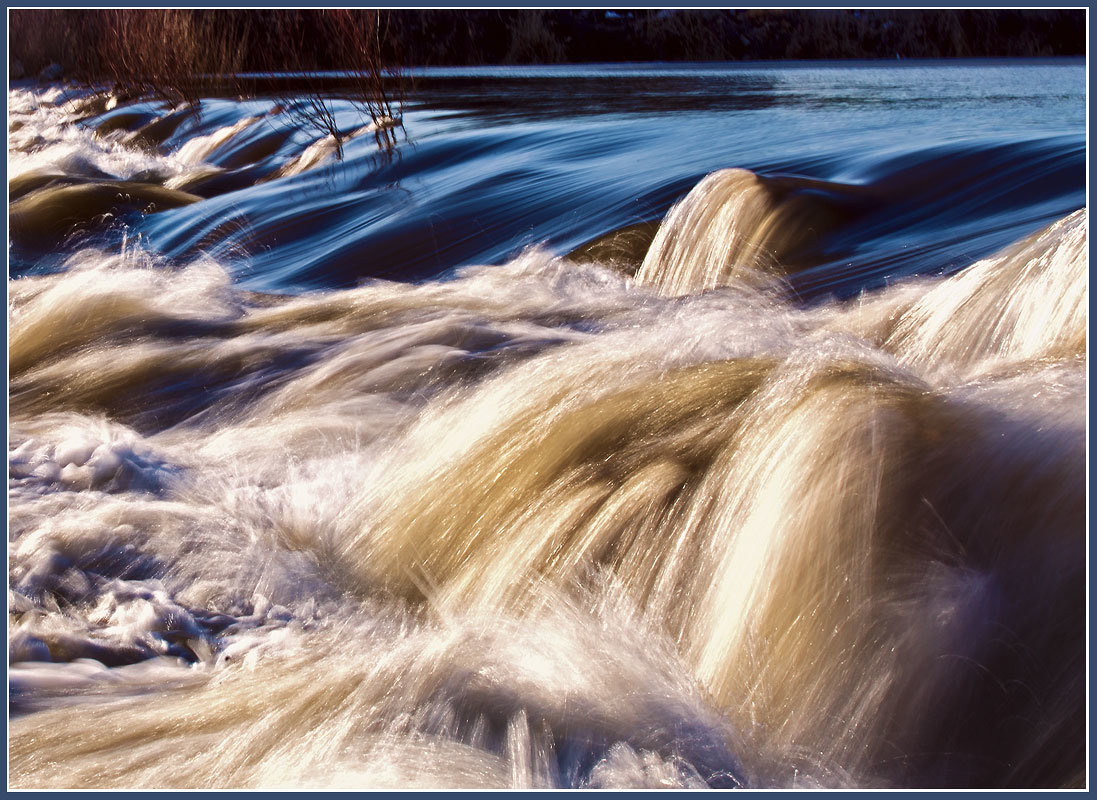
[[169, 53], [532, 40], [353, 41]]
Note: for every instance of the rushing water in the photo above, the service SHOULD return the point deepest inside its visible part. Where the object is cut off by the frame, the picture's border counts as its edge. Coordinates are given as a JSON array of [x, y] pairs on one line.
[[619, 427]]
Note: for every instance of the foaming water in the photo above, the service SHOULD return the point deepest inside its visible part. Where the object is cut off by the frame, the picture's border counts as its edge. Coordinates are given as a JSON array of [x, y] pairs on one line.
[[998, 310], [735, 224], [549, 522]]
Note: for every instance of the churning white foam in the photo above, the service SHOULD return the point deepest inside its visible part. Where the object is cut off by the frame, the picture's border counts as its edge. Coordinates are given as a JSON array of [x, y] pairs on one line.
[[541, 525]]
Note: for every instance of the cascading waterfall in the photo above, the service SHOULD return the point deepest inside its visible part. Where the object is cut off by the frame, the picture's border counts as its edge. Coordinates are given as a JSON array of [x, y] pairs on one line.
[[737, 226], [543, 524]]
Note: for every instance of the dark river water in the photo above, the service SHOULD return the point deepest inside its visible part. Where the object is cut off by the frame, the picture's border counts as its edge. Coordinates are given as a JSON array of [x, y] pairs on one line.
[[608, 426]]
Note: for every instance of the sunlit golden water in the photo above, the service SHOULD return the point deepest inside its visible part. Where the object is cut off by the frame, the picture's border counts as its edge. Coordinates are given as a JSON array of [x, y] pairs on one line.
[[548, 523]]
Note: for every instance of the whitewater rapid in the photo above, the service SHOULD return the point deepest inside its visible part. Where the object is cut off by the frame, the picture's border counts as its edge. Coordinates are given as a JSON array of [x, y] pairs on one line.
[[549, 523]]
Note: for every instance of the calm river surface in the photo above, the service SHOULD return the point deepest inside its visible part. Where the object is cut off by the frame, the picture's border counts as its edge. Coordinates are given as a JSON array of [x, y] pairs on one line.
[[617, 426]]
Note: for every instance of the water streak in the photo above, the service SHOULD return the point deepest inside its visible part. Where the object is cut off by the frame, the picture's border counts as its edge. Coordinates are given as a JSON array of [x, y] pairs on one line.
[[549, 522]]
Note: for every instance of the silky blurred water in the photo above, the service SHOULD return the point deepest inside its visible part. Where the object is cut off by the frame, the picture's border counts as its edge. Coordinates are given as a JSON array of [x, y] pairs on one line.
[[601, 426], [958, 159]]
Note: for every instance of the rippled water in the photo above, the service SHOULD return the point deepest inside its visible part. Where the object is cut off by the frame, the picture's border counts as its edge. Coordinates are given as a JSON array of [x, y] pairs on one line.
[[620, 426]]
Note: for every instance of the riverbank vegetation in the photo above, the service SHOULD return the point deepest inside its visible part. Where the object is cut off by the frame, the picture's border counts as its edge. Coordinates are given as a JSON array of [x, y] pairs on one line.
[[158, 48], [520, 37]]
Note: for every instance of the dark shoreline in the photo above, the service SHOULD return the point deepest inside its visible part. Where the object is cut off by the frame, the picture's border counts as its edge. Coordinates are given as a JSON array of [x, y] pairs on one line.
[[461, 37]]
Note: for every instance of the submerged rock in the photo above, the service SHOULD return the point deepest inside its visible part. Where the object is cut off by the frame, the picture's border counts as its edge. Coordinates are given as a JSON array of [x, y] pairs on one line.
[[46, 215]]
